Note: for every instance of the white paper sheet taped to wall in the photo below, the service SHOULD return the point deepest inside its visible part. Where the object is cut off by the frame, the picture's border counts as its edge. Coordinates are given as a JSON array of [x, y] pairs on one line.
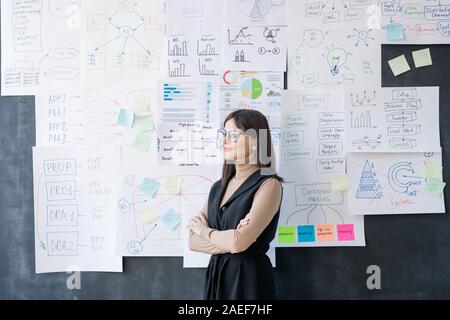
[[150, 207], [75, 190], [312, 214], [121, 42], [40, 46], [399, 119], [395, 183]]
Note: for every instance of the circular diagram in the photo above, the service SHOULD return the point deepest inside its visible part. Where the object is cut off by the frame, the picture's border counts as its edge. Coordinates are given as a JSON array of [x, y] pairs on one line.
[[252, 89]]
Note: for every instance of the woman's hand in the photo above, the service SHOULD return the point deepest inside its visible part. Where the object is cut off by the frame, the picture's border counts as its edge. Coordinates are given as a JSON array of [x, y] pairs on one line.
[[243, 222], [197, 224]]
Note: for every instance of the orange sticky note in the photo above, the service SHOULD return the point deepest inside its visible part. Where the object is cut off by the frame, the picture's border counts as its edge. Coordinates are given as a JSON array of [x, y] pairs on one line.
[[325, 232]]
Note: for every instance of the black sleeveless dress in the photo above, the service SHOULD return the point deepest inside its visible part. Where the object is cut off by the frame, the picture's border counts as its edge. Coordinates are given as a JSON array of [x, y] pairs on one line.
[[246, 275]]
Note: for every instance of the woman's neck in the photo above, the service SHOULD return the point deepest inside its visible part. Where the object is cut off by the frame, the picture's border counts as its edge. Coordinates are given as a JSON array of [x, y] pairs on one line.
[[244, 170]]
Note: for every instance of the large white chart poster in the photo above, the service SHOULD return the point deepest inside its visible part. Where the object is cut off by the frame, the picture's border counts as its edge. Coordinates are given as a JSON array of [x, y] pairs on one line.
[[75, 189], [392, 119], [194, 38], [255, 36], [151, 206], [122, 42], [92, 116], [312, 214], [333, 44], [40, 45], [394, 183]]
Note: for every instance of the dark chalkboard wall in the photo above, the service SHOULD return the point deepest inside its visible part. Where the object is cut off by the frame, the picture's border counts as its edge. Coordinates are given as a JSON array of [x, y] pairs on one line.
[[413, 251]]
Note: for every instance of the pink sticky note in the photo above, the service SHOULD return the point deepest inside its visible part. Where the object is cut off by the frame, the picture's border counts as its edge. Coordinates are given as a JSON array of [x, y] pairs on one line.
[[346, 232]]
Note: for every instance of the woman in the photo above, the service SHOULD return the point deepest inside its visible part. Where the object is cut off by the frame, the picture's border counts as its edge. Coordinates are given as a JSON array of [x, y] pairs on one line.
[[239, 219]]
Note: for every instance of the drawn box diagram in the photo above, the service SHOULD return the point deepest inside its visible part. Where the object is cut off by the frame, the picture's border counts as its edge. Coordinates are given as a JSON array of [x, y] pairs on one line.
[[393, 106], [317, 194], [402, 111], [313, 101], [335, 133], [401, 116], [60, 190], [96, 61], [62, 215], [331, 165], [61, 167], [296, 121], [403, 130], [330, 149], [122, 60], [331, 118], [297, 154], [293, 138], [62, 243]]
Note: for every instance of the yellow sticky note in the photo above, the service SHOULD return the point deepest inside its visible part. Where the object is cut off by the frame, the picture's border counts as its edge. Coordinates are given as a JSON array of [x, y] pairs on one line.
[[173, 185], [148, 215], [434, 187], [142, 142], [399, 65], [141, 103], [339, 183], [422, 58], [144, 123], [431, 170]]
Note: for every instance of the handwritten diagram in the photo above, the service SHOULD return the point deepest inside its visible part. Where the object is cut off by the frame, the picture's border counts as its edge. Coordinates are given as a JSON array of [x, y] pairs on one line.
[[194, 39], [312, 214], [393, 183], [334, 44], [392, 119], [256, 35], [194, 56], [151, 206], [122, 36], [40, 46], [422, 21], [74, 196], [91, 117]]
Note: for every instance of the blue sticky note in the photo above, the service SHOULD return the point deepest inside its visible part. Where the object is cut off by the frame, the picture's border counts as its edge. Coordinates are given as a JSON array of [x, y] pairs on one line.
[[149, 187], [171, 219], [395, 31], [306, 234], [125, 118]]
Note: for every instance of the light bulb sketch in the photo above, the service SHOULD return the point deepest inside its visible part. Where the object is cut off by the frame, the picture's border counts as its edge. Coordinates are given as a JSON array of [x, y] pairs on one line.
[[336, 58]]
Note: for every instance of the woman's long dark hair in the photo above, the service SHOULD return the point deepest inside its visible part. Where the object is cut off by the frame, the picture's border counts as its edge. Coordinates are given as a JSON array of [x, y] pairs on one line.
[[247, 119]]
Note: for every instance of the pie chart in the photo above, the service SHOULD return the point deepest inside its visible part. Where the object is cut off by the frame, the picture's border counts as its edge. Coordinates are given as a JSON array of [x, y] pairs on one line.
[[251, 89]]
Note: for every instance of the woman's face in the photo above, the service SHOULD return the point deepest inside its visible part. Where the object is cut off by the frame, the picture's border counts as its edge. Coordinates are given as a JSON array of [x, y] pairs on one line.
[[241, 150]]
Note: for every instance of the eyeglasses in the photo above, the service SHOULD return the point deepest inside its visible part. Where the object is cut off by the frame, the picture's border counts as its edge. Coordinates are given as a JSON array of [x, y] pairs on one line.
[[232, 134]]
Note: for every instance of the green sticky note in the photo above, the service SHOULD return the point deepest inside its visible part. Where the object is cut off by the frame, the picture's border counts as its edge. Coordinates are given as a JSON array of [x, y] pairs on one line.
[[125, 118], [142, 142], [144, 123], [422, 58], [434, 187], [141, 103], [430, 169], [173, 185], [148, 215], [399, 65], [286, 234], [339, 183]]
